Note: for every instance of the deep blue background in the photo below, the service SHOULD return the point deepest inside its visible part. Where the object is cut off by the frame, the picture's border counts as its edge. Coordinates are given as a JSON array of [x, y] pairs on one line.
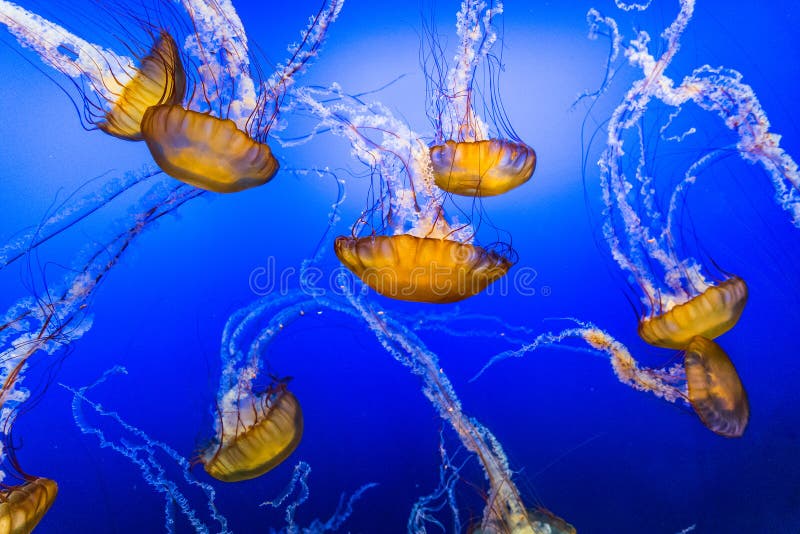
[[606, 458]]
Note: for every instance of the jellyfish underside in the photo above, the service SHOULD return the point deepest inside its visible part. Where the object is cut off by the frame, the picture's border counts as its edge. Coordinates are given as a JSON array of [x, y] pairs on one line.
[[482, 168], [421, 269], [23, 506], [204, 151], [160, 79], [709, 315], [715, 390], [272, 437]]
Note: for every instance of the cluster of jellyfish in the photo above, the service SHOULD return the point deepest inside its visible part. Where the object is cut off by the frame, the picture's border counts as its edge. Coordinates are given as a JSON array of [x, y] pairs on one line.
[[192, 90]]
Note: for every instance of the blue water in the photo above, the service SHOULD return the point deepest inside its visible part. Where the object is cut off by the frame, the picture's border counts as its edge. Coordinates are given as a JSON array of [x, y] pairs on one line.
[[604, 457]]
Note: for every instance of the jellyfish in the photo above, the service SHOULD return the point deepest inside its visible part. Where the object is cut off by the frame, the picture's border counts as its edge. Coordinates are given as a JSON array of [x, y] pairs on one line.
[[115, 92], [160, 80], [218, 140], [391, 265], [258, 435], [714, 388], [709, 314], [154, 459], [215, 137], [706, 379], [681, 297], [404, 245], [468, 156], [685, 302], [246, 342], [206, 151], [254, 431], [23, 506]]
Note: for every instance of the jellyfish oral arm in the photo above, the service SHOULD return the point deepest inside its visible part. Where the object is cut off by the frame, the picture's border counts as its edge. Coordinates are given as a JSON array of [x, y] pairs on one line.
[[399, 156], [474, 28], [106, 71], [722, 91], [220, 45], [505, 506], [311, 39]]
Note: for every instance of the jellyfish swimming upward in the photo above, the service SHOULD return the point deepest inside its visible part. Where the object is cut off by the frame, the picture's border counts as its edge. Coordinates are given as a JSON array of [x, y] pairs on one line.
[[470, 156], [681, 300]]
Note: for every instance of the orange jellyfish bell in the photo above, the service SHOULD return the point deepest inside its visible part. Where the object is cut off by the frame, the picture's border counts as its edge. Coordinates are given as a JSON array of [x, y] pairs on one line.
[[710, 314], [204, 151], [421, 269], [23, 506], [266, 430], [715, 390], [482, 168], [159, 80]]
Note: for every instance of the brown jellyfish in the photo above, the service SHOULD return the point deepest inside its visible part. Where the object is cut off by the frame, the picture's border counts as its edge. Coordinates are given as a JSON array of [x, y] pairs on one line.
[[204, 151], [421, 269], [709, 315], [24, 505], [482, 168], [473, 154], [160, 79], [715, 390], [217, 141], [265, 430]]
